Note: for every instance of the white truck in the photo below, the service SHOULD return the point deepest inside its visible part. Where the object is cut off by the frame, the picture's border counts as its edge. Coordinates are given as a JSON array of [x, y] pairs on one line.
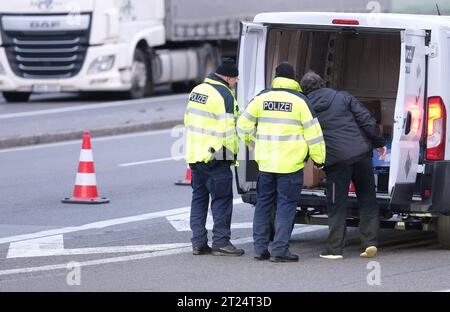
[[91, 45], [110, 45], [397, 63], [126, 45]]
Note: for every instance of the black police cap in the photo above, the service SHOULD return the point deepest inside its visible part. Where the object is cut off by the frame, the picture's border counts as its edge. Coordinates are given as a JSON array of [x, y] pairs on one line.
[[228, 68]]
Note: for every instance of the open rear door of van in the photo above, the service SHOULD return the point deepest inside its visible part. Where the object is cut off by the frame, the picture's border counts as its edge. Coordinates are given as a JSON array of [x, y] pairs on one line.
[[252, 55], [408, 119]]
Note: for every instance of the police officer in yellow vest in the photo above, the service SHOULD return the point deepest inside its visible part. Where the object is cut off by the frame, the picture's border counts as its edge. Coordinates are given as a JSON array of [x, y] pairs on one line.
[[286, 133], [211, 149]]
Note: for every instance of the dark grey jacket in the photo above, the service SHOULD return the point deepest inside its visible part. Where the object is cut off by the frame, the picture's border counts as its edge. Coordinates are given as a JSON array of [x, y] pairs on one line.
[[350, 131]]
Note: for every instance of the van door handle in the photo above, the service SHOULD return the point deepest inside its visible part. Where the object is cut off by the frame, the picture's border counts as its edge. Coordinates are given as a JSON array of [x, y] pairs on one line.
[[408, 121]]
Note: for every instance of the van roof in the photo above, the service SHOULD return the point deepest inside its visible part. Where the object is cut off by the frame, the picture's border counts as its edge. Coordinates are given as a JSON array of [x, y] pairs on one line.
[[372, 20]]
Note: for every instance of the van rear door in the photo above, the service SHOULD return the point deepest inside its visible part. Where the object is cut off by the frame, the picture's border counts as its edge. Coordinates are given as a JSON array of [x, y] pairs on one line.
[[409, 117], [252, 52]]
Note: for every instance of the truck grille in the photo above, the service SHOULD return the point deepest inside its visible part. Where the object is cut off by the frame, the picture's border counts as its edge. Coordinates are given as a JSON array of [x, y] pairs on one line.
[[46, 54]]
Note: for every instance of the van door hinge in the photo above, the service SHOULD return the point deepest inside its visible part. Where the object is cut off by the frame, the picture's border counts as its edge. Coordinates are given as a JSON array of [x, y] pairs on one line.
[[431, 50]]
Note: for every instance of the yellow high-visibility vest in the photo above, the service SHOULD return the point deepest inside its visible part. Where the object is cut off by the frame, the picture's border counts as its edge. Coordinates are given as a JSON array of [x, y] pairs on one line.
[[283, 128], [210, 120]]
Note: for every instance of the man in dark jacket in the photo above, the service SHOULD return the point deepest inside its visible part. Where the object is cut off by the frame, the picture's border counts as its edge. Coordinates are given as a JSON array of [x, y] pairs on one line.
[[350, 133]]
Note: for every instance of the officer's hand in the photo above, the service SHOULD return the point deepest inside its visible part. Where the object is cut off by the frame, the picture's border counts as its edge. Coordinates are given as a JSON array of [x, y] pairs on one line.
[[319, 166], [382, 152]]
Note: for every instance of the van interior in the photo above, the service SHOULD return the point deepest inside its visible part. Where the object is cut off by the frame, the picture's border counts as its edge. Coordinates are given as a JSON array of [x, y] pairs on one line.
[[364, 63]]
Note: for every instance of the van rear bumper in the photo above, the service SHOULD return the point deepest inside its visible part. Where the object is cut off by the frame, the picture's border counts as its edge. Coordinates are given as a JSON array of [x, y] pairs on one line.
[[436, 178], [318, 201]]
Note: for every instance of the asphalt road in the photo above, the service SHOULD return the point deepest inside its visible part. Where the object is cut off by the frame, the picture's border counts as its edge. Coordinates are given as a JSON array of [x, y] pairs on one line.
[[140, 241]]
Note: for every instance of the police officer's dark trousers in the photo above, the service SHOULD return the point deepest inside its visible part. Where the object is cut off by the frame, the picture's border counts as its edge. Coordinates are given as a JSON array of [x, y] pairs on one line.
[[285, 191], [216, 181], [338, 182]]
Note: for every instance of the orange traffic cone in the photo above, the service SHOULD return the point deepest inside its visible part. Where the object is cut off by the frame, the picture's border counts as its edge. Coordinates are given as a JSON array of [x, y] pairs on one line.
[[187, 180], [85, 191], [352, 187]]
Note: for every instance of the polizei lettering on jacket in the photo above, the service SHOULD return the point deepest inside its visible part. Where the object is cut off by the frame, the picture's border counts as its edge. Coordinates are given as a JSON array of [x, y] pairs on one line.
[[198, 98], [277, 106]]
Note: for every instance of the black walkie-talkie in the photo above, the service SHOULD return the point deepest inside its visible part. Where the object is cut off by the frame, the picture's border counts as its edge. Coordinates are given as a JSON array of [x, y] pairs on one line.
[[213, 162]]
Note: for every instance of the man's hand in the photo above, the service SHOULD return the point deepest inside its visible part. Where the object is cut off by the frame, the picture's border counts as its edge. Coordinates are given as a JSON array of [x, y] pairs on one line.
[[382, 152]]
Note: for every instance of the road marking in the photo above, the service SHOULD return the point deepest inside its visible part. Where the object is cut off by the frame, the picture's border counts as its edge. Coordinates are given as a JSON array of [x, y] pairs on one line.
[[152, 161], [93, 106], [181, 222], [298, 230], [96, 262], [102, 224], [95, 225], [78, 142], [52, 246]]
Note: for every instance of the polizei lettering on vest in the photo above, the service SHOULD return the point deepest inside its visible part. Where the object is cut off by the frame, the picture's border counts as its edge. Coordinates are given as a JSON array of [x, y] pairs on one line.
[[277, 106], [198, 98]]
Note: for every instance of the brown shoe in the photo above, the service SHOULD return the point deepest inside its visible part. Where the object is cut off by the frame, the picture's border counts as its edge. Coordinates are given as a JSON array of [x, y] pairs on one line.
[[370, 252]]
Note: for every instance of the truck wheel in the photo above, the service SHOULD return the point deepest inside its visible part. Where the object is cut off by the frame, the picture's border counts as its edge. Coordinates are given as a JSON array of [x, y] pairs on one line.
[[15, 97], [443, 231], [208, 59], [140, 76], [183, 87]]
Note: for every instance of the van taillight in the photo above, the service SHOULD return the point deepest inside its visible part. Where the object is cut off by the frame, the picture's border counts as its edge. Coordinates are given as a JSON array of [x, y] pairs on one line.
[[345, 22], [436, 125]]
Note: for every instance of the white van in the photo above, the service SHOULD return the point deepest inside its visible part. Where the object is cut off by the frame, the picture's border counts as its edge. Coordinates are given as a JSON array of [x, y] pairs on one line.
[[399, 65]]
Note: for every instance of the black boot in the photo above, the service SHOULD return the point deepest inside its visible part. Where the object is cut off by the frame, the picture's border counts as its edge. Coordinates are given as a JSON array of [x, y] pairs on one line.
[[228, 250]]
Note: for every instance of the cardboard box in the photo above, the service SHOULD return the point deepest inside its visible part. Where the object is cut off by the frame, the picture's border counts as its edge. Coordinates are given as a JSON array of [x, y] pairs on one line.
[[312, 176]]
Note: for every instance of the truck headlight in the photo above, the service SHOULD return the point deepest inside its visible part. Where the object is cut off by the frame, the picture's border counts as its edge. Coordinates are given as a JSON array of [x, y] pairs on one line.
[[101, 64]]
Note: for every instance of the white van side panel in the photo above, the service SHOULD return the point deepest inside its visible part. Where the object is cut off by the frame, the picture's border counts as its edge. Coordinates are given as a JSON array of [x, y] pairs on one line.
[[409, 110]]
